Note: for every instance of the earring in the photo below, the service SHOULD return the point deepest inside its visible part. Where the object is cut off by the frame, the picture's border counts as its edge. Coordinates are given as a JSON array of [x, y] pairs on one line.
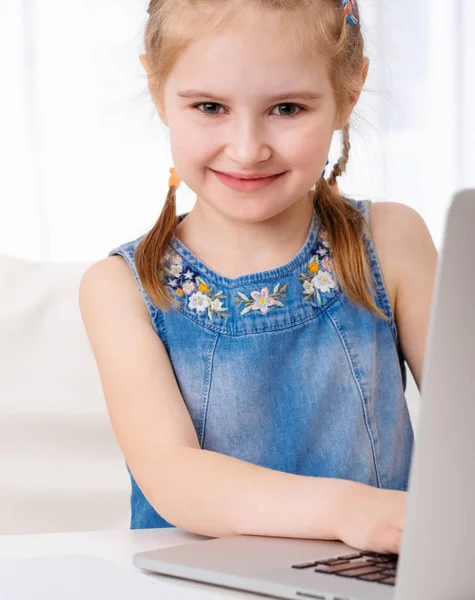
[[174, 180]]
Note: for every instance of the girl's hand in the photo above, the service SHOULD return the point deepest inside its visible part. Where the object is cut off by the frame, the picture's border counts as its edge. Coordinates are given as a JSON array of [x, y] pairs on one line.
[[371, 519]]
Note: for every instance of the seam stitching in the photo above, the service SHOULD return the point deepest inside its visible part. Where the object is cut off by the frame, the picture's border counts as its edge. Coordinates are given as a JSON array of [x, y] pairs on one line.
[[205, 403], [358, 383]]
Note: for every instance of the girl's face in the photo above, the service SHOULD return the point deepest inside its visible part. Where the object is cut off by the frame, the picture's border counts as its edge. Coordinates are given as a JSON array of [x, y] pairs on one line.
[[251, 112]]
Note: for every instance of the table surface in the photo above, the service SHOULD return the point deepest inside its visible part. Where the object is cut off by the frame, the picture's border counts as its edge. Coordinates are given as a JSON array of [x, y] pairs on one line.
[[117, 546]]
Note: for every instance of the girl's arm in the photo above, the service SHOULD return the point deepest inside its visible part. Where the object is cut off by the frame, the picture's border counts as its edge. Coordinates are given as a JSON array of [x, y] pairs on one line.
[[408, 260]]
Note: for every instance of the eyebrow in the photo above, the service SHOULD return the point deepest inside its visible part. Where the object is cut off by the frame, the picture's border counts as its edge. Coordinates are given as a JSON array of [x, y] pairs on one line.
[[303, 95]]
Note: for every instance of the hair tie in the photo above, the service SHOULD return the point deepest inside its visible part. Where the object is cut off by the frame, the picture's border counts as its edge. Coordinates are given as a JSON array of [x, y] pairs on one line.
[[174, 180], [351, 11]]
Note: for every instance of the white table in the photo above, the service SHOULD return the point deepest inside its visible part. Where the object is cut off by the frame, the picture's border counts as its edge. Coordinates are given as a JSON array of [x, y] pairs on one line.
[[117, 546]]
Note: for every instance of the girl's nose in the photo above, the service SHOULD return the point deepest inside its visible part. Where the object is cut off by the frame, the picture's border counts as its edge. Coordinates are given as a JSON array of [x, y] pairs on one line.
[[248, 145]]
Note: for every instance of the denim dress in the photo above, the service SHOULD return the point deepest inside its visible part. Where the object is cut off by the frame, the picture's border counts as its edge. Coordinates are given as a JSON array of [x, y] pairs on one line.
[[281, 369]]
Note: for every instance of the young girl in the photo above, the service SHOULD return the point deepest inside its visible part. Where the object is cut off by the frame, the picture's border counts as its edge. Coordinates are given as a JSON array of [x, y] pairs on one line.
[[252, 352]]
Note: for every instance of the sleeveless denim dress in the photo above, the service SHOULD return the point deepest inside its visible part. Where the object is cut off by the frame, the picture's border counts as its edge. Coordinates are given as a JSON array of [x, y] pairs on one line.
[[281, 369]]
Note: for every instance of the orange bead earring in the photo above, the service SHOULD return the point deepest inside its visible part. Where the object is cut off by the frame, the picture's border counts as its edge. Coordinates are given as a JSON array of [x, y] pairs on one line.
[[174, 180]]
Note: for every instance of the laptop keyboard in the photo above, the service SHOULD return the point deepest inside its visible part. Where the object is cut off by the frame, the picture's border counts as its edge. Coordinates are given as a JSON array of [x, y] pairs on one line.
[[367, 566]]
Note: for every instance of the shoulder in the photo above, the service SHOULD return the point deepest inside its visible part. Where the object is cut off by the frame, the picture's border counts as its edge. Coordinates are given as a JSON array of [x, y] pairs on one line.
[[400, 238], [111, 280], [401, 222], [399, 235]]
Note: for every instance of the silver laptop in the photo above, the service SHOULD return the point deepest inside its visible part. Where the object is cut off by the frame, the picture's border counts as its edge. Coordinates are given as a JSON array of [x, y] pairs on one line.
[[438, 546]]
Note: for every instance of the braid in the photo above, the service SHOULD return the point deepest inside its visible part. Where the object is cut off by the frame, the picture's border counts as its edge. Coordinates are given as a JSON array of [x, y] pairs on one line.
[[340, 167], [151, 7], [151, 251]]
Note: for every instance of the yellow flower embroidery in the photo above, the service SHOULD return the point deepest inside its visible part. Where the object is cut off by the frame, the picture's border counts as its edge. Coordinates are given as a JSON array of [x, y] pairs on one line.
[[313, 267], [320, 276], [199, 296]]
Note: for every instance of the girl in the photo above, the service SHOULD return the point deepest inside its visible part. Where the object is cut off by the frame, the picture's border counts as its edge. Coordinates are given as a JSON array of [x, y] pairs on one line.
[[252, 352]]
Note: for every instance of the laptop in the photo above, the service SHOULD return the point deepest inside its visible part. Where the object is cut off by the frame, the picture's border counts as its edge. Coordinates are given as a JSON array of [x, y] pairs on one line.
[[438, 543]]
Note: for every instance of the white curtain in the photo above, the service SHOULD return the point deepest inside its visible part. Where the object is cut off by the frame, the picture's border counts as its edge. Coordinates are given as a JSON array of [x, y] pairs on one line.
[[84, 158]]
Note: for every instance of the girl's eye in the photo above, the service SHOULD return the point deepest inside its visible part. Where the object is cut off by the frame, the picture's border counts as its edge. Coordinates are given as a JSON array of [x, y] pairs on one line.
[[290, 104], [214, 105], [208, 105]]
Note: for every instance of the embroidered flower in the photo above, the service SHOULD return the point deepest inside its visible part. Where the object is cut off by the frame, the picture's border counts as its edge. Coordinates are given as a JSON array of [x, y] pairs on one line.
[[314, 267], [323, 282], [188, 287], [175, 270], [262, 300], [192, 288], [328, 264], [217, 305], [205, 299], [322, 252], [199, 302], [308, 287], [320, 275]]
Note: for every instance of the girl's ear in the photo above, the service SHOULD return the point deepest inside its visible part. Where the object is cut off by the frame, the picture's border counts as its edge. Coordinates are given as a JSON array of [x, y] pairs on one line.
[[153, 89], [353, 97]]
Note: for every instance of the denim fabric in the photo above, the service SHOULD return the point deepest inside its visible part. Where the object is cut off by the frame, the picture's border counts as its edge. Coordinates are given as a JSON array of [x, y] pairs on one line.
[[284, 375]]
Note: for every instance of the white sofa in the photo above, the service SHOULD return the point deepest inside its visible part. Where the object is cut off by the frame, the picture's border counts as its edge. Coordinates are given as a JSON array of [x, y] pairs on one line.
[[61, 468]]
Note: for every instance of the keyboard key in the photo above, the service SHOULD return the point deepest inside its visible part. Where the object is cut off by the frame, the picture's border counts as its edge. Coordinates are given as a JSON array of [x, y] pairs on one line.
[[361, 571], [372, 577], [390, 572], [388, 581], [305, 565], [339, 568], [333, 561]]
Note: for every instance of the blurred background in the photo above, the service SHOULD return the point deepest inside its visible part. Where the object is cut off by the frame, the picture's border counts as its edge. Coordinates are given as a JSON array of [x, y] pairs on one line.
[[84, 168], [85, 159]]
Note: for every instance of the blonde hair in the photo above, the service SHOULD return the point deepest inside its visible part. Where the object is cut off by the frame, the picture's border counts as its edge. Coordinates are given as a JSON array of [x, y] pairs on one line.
[[321, 27]]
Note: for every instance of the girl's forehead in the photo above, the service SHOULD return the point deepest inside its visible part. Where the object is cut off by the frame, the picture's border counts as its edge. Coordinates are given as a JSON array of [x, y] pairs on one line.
[[248, 55]]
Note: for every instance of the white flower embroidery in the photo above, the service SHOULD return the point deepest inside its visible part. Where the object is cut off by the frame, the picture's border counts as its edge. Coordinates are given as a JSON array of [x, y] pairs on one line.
[[199, 302], [320, 274], [217, 305], [308, 287], [175, 269], [323, 282]]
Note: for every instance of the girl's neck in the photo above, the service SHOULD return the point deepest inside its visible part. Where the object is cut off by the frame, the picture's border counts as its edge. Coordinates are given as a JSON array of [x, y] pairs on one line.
[[233, 249]]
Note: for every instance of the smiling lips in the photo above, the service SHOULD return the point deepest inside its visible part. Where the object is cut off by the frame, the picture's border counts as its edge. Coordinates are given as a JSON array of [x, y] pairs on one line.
[[251, 176], [246, 183]]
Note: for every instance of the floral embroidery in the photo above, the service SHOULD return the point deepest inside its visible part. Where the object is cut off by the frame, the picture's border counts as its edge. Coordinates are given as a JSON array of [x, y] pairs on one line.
[[262, 300], [187, 284], [202, 298], [320, 276]]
